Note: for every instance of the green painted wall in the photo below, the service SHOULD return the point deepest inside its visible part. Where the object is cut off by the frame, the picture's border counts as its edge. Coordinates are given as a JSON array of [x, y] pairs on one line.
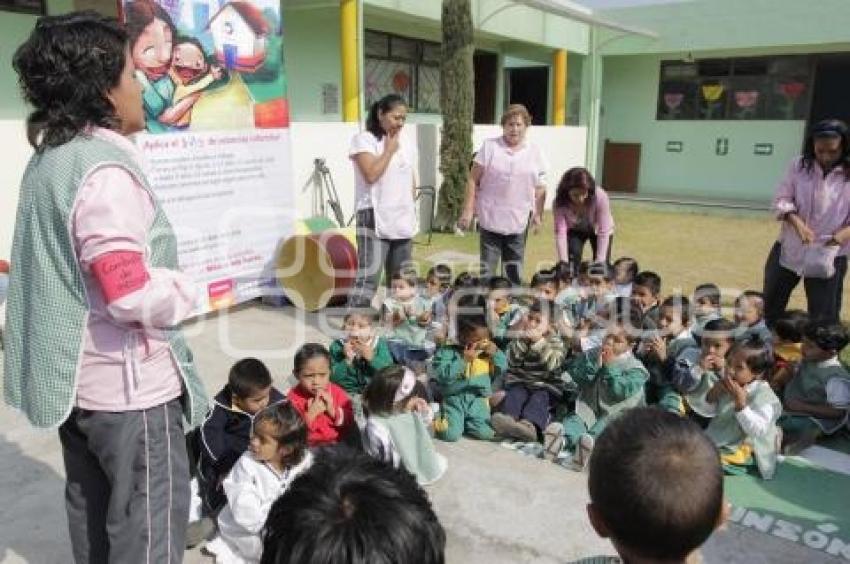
[[733, 24], [311, 46], [629, 99], [14, 29], [502, 18]]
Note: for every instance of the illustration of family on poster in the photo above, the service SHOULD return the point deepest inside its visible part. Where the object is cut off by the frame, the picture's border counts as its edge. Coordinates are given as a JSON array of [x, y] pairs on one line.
[[208, 64]]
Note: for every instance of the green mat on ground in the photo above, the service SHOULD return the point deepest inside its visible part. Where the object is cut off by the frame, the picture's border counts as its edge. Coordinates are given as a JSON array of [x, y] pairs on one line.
[[803, 503]]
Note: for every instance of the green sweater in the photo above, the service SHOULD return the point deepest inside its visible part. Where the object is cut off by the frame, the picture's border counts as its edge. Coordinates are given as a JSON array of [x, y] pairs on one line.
[[605, 391], [455, 377], [355, 376]]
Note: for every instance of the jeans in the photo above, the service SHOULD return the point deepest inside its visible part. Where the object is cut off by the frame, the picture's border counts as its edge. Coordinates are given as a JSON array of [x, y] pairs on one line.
[[510, 249], [375, 256], [575, 245], [823, 295]]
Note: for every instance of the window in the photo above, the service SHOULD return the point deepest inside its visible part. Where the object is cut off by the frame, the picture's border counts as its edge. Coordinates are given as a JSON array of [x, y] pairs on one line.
[[404, 66], [26, 6], [776, 88]]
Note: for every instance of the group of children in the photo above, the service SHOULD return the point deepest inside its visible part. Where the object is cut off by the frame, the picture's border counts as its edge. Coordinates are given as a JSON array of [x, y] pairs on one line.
[[549, 366]]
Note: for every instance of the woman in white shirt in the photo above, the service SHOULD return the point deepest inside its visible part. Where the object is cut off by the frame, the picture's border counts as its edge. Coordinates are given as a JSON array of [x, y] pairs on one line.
[[384, 171]]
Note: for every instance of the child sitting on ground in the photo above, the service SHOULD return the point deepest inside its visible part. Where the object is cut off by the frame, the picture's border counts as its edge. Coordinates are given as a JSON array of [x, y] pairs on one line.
[[743, 425], [817, 399], [359, 355], [625, 271], [225, 433], [608, 381], [661, 351], [656, 488], [544, 284], [438, 284], [696, 371], [408, 319], [706, 300], [787, 347], [533, 379], [749, 314], [645, 291], [464, 374], [398, 421], [326, 407], [504, 315], [278, 454], [596, 281], [464, 284]]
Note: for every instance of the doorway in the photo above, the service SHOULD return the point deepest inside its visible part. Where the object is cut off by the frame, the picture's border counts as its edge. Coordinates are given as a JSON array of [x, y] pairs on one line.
[[831, 89], [529, 86], [486, 69]]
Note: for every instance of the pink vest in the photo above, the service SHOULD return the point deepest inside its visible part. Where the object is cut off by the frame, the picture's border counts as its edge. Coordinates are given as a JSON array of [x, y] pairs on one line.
[[505, 195]]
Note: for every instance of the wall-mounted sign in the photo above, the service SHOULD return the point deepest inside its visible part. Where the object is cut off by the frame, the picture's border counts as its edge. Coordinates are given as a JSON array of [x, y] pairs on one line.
[[763, 149], [674, 146], [721, 148]]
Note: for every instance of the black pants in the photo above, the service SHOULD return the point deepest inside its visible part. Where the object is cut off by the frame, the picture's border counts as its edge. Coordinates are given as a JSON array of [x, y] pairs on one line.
[[509, 249], [823, 295], [575, 245], [375, 256]]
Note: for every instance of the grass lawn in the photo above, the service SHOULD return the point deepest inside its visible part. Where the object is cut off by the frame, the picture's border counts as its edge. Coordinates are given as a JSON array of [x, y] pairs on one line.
[[684, 246]]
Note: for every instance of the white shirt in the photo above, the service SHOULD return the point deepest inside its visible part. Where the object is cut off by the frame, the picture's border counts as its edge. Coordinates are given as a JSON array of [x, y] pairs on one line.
[[399, 173]]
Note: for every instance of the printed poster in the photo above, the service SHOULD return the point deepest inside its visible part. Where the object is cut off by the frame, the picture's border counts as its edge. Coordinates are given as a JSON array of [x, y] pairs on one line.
[[217, 135]]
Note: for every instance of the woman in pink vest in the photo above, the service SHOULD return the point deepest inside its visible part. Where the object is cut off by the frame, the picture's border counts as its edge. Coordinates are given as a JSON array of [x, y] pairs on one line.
[[582, 213], [813, 204], [507, 188]]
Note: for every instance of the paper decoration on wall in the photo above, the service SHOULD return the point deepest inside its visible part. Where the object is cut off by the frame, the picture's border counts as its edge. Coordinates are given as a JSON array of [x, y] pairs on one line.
[[674, 146], [792, 91], [330, 98], [712, 94], [673, 103], [763, 149], [746, 102], [721, 148]]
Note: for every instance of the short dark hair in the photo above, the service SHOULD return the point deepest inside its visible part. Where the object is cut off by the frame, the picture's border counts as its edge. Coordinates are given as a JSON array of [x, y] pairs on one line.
[[406, 274], [624, 314], [545, 276], [544, 308], [720, 328], [471, 312], [368, 312], [656, 482], [308, 351], [499, 283], [708, 290], [757, 355], [289, 429], [789, 326], [630, 263], [827, 336], [350, 507], [382, 106], [757, 298], [465, 280], [649, 280], [597, 270], [681, 303], [65, 70], [443, 274], [564, 271], [247, 376]]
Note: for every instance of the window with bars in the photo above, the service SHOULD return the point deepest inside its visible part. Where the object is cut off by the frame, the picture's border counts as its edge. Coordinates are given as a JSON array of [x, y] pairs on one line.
[[752, 88], [404, 66]]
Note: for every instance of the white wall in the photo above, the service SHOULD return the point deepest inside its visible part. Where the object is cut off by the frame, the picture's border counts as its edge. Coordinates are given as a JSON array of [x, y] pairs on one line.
[[564, 147]]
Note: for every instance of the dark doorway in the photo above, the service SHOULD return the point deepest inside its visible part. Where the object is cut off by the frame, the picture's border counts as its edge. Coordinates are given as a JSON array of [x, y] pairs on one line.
[[621, 168], [486, 68], [832, 89], [530, 86]]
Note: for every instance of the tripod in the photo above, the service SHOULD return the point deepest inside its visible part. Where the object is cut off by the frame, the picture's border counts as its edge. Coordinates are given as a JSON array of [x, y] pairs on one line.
[[327, 193]]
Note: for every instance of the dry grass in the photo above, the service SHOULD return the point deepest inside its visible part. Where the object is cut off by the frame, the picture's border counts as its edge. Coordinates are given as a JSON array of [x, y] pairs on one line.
[[683, 246]]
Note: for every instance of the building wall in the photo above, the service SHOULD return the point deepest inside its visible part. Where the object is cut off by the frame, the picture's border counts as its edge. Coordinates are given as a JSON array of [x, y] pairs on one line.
[[701, 25], [629, 101]]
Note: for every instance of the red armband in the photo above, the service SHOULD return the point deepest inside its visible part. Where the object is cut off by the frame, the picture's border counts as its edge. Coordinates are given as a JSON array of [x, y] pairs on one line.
[[119, 273]]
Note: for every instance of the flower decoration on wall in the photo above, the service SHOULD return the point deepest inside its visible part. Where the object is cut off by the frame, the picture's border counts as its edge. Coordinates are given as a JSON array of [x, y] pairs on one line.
[[792, 91], [712, 94], [673, 104], [746, 101], [401, 82]]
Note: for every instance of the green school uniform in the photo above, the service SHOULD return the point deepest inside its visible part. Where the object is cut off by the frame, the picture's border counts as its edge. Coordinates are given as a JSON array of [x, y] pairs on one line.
[[810, 385], [354, 377]]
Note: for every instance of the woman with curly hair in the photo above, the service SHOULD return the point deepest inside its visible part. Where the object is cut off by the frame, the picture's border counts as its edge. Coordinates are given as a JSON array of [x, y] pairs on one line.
[[95, 297]]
